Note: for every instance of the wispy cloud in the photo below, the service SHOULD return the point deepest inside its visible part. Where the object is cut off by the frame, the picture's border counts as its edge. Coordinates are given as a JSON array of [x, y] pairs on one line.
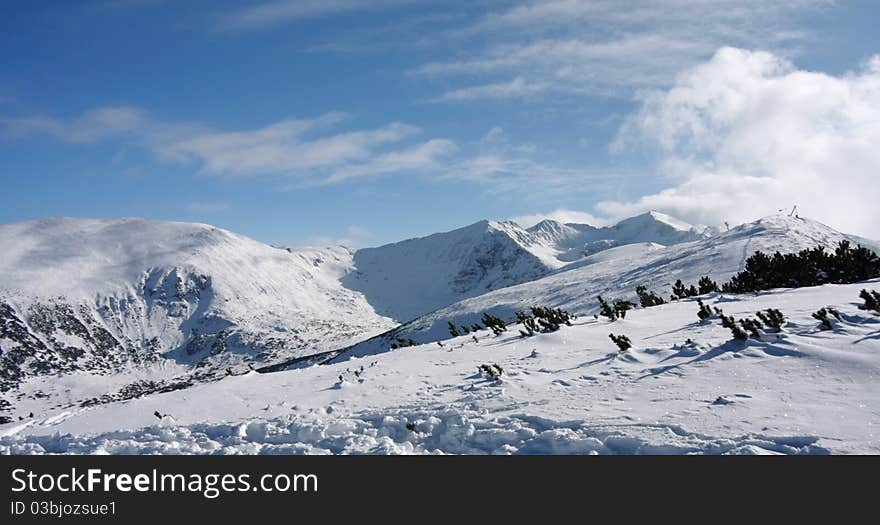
[[416, 159], [518, 87], [93, 125], [311, 150], [562, 215], [268, 15], [283, 148], [296, 153], [355, 236], [604, 47]]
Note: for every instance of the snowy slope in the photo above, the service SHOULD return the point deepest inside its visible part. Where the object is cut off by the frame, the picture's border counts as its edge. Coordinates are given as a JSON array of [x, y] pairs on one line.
[[120, 295], [410, 278], [803, 391], [615, 273]]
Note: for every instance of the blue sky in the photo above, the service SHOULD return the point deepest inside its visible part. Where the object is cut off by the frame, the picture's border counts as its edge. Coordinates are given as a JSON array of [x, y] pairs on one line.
[[371, 121]]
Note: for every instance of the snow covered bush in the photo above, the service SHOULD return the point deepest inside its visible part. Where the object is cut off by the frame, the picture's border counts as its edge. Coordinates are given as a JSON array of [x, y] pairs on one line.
[[822, 316], [704, 312], [727, 321], [707, 285], [622, 306], [493, 371], [872, 300], [772, 318], [529, 326], [496, 324], [618, 310], [606, 310], [648, 299], [680, 291], [551, 319], [402, 343], [752, 326], [622, 342], [543, 319]]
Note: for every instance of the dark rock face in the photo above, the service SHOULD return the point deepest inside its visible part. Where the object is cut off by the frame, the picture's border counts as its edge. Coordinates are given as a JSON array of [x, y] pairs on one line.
[[51, 338]]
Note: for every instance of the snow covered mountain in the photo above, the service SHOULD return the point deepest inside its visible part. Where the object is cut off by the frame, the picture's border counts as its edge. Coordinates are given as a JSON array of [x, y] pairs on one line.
[[176, 299], [96, 311], [616, 272], [103, 323], [573, 242], [410, 278], [683, 388]]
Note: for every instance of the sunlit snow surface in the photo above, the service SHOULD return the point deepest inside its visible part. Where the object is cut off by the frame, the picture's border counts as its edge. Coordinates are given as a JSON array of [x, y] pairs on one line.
[[805, 391]]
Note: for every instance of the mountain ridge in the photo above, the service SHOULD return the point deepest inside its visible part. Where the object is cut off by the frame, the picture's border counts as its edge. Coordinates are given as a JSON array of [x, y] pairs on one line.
[[576, 287], [152, 305]]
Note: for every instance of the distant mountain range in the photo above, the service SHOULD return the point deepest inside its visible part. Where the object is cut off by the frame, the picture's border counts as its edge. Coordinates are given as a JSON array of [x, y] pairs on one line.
[[147, 306]]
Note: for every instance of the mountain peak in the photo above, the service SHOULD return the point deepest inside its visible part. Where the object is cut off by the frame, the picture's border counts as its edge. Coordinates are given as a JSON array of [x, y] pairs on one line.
[[661, 218]]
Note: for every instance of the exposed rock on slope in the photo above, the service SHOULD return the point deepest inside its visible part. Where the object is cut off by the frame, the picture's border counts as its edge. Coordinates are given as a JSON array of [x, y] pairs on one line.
[[105, 295]]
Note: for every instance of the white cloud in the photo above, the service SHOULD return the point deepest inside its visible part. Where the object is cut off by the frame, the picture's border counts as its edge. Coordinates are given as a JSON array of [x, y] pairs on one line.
[[605, 47], [305, 149], [518, 87], [747, 133], [415, 159], [281, 148], [91, 126], [354, 237], [562, 215], [267, 15]]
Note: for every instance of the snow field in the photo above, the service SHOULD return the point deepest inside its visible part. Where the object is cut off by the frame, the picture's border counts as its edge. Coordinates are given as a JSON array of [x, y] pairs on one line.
[[803, 391]]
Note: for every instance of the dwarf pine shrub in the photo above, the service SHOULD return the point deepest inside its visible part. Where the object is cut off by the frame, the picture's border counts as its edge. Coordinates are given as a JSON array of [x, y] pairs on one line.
[[622, 342], [822, 316], [707, 285], [752, 326], [811, 267], [772, 318], [496, 324], [680, 291], [402, 343], [872, 300], [493, 371], [621, 306], [705, 312], [727, 321], [648, 299], [542, 319], [606, 310]]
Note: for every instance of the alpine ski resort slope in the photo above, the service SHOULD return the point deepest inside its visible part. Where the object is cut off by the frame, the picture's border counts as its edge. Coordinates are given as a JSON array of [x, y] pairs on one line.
[[124, 335]]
